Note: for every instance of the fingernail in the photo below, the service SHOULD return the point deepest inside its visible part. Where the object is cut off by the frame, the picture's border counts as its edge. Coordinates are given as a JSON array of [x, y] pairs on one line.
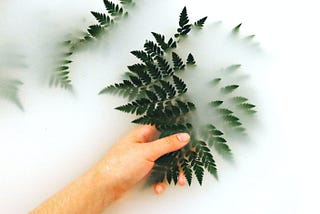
[[183, 137], [159, 188]]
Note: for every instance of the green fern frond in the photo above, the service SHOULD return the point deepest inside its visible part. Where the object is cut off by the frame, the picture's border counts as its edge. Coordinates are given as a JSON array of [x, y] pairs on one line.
[[228, 89], [177, 62], [200, 22], [95, 30], [126, 2], [180, 85], [216, 103], [160, 97], [152, 49], [102, 18], [164, 66], [234, 67], [143, 56], [236, 29], [239, 99], [185, 27], [190, 60], [216, 81], [206, 158], [9, 89], [197, 167], [187, 171], [113, 9], [162, 43]]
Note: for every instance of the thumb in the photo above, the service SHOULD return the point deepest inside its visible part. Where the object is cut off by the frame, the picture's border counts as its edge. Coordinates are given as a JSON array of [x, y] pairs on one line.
[[162, 146]]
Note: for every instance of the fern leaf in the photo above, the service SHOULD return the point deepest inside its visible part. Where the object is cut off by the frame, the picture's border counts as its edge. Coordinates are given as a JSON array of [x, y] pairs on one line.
[[183, 17], [162, 43], [216, 81], [9, 89], [144, 77], [190, 60], [143, 56], [234, 67], [246, 106], [198, 170], [169, 88], [136, 81], [185, 27], [228, 89], [154, 71], [151, 95], [125, 89], [224, 111], [236, 29], [152, 49], [112, 8], [180, 85], [101, 18], [200, 22], [126, 2], [187, 171], [95, 30], [177, 62], [216, 103], [135, 68], [239, 99], [164, 66], [207, 158], [161, 93], [223, 149]]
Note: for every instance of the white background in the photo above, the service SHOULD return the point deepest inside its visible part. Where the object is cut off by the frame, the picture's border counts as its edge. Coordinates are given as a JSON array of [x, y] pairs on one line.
[[60, 135]]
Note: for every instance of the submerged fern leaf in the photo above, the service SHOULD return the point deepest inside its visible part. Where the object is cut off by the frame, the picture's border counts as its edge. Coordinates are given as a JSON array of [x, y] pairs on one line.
[[190, 60], [185, 27], [200, 22], [101, 18], [177, 62], [9, 89], [112, 8], [161, 99]]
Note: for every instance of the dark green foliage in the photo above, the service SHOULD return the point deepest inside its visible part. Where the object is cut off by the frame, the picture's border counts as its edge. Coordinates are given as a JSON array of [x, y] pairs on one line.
[[61, 76], [95, 30], [190, 60], [159, 96], [184, 26], [9, 89], [143, 56], [216, 139], [162, 43], [187, 171], [200, 22], [180, 85], [177, 62], [216, 103], [233, 67], [113, 9], [228, 89], [206, 158], [164, 66], [236, 29], [239, 99], [152, 49], [126, 2], [102, 18]]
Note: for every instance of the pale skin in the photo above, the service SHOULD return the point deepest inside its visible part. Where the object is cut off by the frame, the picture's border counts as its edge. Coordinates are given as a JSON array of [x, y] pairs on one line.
[[127, 163]]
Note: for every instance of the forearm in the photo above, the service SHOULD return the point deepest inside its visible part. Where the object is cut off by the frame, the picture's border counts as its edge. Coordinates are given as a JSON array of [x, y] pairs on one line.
[[90, 193]]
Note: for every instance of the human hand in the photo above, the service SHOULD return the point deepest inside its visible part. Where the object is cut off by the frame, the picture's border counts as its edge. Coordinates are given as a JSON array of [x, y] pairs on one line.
[[133, 156], [127, 163]]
